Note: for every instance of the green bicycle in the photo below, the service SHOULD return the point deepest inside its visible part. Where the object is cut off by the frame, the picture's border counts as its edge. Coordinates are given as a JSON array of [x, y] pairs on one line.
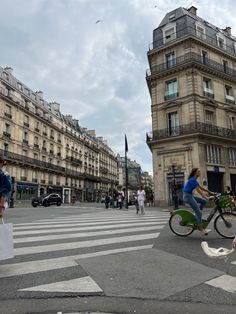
[[182, 222]]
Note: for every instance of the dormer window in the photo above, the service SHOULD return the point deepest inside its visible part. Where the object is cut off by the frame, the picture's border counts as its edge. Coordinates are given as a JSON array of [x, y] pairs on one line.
[[221, 40], [200, 30], [169, 32], [172, 16]]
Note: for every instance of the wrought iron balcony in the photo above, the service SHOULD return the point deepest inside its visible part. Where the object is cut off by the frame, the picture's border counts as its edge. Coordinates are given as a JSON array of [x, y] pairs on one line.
[[192, 58], [7, 134], [26, 124], [192, 32], [25, 142], [8, 115], [27, 161], [188, 129], [74, 160]]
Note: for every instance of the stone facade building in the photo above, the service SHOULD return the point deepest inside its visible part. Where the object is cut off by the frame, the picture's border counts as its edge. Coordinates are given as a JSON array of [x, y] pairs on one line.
[[192, 84], [47, 151]]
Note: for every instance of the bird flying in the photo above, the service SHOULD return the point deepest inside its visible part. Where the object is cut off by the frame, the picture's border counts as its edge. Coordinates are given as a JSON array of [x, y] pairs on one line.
[[98, 21]]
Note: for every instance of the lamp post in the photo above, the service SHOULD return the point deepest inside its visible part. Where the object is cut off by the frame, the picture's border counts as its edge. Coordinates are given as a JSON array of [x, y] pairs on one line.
[[174, 189]]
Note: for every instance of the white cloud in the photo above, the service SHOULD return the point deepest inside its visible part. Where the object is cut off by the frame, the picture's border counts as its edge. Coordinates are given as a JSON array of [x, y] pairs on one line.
[[96, 71]]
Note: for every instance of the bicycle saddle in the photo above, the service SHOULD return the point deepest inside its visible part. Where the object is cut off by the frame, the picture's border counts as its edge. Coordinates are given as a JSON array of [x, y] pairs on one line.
[[215, 253]]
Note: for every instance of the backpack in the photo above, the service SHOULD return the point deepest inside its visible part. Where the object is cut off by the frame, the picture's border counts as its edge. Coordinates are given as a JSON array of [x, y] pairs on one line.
[[5, 183]]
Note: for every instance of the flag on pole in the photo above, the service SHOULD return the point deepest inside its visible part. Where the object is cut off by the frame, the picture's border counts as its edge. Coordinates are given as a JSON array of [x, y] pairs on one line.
[[126, 144]]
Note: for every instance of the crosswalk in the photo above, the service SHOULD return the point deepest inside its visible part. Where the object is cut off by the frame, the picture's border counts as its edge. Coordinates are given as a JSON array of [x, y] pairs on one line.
[[56, 245]]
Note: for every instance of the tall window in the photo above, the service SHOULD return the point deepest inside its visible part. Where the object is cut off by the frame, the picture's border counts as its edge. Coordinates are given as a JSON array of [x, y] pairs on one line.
[[7, 128], [8, 111], [221, 41], [170, 60], [169, 32], [200, 31], [26, 120], [209, 117], [171, 89], [229, 94], [213, 154], [26, 136], [207, 88], [204, 57], [232, 156], [173, 123], [231, 122]]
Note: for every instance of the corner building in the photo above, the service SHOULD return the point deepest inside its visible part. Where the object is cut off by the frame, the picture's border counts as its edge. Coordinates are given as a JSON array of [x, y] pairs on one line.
[[192, 85]]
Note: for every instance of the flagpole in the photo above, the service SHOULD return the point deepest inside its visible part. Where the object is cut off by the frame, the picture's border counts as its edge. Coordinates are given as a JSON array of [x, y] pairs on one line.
[[126, 174]]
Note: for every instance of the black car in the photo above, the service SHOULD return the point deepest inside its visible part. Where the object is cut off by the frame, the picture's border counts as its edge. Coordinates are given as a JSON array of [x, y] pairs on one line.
[[47, 200]]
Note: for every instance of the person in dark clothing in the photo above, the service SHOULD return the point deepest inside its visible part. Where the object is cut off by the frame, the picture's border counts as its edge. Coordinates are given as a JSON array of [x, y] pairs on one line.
[[5, 186], [107, 201], [228, 191]]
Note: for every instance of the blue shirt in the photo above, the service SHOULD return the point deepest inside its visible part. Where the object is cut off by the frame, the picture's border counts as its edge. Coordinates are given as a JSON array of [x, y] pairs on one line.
[[5, 183], [191, 185]]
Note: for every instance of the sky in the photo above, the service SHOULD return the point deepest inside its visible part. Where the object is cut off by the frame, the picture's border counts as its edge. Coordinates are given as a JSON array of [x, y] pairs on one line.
[[91, 57]]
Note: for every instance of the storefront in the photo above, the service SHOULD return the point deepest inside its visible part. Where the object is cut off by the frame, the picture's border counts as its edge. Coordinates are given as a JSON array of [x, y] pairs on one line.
[[26, 191]]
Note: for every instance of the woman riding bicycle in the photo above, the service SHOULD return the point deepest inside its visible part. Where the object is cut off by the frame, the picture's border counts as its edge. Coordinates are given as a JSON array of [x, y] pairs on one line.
[[193, 200]]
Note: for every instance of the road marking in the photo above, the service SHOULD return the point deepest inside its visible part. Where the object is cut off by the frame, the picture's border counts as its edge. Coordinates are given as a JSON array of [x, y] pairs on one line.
[[102, 219], [84, 234], [103, 223], [23, 268], [225, 282], [80, 228], [82, 244], [83, 284]]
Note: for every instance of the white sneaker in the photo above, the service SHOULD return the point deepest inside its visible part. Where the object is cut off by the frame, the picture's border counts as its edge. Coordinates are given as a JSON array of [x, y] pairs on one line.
[[205, 231]]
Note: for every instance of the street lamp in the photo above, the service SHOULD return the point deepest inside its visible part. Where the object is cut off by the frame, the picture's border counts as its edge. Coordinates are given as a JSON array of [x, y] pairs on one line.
[[174, 189]]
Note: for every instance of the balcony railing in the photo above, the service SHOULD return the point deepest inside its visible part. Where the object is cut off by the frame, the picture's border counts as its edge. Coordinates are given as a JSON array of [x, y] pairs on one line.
[[26, 124], [36, 129], [229, 99], [74, 160], [189, 58], [193, 128], [169, 95], [192, 31], [8, 115], [7, 134], [25, 160], [34, 180], [25, 142]]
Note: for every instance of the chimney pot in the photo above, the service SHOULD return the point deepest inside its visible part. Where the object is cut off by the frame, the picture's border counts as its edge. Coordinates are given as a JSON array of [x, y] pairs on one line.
[[193, 10]]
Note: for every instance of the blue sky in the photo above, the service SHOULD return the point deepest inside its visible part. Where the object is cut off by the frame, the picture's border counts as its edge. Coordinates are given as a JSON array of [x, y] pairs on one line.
[[96, 71]]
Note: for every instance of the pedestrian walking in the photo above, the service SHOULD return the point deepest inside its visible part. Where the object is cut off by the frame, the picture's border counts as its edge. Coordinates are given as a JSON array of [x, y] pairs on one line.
[[107, 201], [120, 201], [141, 199], [5, 186]]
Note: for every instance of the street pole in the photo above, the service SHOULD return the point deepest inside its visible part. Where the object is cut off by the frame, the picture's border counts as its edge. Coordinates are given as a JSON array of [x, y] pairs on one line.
[[126, 174], [174, 189]]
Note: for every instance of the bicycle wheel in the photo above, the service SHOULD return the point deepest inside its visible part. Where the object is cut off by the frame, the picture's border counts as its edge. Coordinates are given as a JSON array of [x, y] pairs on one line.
[[179, 226], [226, 226]]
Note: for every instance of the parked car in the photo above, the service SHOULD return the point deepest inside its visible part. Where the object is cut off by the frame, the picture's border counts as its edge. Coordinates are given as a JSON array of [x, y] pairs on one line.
[[47, 200]]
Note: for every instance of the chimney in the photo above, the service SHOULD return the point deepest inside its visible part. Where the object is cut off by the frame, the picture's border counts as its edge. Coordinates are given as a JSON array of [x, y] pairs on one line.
[[55, 106], [9, 70], [39, 93], [227, 30], [193, 10], [92, 133]]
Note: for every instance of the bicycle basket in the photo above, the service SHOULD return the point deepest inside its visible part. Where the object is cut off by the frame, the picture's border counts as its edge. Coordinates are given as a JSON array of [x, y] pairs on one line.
[[224, 202]]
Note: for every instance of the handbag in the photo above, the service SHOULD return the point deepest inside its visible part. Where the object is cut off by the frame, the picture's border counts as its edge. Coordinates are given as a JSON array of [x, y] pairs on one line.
[[6, 241]]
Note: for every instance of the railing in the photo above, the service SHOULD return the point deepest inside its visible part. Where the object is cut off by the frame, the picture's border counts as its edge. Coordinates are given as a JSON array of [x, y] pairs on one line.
[[191, 57], [9, 156], [193, 32], [7, 134], [74, 160], [198, 127], [8, 115]]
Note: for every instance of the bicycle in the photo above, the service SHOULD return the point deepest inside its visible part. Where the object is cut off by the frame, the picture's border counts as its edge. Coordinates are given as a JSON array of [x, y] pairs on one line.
[[182, 222]]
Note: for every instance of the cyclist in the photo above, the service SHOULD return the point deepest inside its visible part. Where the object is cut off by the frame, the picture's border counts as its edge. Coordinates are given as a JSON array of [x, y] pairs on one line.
[[193, 200]]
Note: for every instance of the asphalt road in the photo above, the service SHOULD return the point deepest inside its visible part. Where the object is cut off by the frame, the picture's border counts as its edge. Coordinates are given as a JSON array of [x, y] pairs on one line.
[[85, 258]]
